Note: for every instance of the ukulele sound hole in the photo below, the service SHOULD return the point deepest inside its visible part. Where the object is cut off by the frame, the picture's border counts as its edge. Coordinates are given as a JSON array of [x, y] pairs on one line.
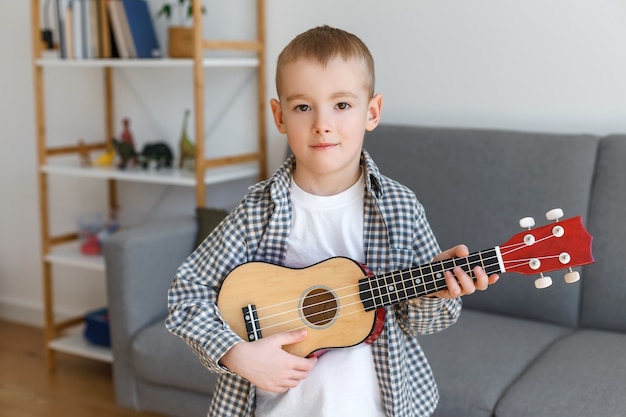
[[319, 307]]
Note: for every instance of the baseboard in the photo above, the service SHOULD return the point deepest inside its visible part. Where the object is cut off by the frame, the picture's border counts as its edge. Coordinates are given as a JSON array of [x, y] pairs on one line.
[[28, 313], [21, 312]]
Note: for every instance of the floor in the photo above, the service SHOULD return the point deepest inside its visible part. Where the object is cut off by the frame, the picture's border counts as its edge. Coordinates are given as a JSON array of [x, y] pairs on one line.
[[79, 387]]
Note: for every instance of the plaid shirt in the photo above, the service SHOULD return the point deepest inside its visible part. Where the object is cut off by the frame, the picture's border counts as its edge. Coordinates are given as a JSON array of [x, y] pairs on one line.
[[396, 236]]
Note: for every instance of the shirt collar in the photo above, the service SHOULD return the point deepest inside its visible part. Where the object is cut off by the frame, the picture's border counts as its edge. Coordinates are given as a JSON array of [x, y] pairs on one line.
[[373, 177], [279, 183]]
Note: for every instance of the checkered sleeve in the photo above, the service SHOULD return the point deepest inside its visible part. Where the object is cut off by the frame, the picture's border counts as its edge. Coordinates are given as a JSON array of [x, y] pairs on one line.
[[427, 315], [192, 297]]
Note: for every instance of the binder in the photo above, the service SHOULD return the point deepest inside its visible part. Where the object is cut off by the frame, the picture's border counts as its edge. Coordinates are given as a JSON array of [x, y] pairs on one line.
[[142, 29]]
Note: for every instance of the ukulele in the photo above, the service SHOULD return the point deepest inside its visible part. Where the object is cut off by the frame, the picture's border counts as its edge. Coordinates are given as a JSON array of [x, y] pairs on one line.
[[341, 302]]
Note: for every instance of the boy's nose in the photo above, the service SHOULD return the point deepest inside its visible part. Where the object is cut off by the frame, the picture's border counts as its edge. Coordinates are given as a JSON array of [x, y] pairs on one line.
[[322, 124]]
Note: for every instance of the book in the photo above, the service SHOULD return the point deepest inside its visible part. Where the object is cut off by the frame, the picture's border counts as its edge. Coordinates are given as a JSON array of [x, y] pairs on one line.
[[61, 12], [78, 29], [117, 31], [68, 30], [128, 39], [91, 26], [142, 29], [104, 29]]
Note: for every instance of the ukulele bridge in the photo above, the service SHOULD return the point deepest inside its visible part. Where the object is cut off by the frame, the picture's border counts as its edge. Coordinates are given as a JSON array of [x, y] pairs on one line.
[[251, 320]]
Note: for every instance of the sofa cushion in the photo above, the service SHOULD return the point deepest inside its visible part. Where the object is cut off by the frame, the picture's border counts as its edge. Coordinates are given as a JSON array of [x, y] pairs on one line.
[[476, 360], [154, 350], [579, 376], [207, 218], [466, 202], [604, 286]]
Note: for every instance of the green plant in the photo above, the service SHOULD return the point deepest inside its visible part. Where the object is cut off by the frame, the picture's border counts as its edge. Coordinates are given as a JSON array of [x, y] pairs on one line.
[[183, 9]]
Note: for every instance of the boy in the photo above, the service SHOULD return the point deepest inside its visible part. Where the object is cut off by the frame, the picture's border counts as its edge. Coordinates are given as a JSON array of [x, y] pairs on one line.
[[328, 199]]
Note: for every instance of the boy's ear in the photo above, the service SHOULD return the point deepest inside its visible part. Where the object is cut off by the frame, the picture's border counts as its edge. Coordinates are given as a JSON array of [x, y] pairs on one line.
[[277, 112], [374, 110]]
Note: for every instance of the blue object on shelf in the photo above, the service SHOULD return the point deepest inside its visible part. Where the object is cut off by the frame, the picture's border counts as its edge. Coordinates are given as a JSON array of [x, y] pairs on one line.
[[142, 29], [97, 327]]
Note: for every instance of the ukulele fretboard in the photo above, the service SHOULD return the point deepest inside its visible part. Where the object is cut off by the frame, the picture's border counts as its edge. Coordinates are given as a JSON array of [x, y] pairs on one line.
[[387, 289]]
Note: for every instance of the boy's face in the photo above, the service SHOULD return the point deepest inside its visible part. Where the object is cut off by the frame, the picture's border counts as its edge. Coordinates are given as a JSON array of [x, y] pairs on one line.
[[325, 111]]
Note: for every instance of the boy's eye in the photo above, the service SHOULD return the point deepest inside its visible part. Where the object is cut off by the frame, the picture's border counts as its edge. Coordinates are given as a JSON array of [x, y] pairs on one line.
[[343, 106], [302, 107]]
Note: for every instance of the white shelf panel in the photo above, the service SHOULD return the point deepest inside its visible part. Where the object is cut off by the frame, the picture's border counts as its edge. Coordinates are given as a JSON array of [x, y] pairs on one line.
[[74, 343], [210, 62], [167, 176], [69, 254]]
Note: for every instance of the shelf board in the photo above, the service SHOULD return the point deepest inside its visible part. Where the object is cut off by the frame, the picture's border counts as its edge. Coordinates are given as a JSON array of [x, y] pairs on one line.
[[73, 342], [209, 62], [69, 254], [166, 176]]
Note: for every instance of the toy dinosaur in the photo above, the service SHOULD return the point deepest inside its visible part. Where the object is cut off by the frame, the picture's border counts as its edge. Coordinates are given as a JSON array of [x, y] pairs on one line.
[[187, 147], [126, 152]]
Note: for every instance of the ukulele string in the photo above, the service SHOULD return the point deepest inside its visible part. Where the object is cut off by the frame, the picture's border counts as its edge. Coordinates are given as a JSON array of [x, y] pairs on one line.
[[383, 276], [404, 281], [447, 264]]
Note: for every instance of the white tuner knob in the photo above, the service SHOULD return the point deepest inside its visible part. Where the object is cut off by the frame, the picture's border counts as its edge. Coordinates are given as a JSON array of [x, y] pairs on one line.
[[526, 222], [554, 214], [543, 282], [571, 277], [529, 239], [534, 263]]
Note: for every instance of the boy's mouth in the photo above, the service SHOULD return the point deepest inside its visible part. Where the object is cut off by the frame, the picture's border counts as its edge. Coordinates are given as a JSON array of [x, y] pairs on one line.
[[322, 146]]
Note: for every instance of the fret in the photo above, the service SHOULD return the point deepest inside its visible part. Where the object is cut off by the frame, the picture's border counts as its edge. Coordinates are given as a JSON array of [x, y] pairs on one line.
[[439, 277], [391, 287], [472, 261], [405, 277], [367, 293], [429, 283], [482, 262], [493, 266], [468, 267], [381, 287], [424, 279], [411, 291]]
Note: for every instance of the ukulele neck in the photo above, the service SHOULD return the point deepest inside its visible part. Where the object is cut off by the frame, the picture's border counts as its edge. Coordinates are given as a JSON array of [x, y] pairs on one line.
[[394, 287]]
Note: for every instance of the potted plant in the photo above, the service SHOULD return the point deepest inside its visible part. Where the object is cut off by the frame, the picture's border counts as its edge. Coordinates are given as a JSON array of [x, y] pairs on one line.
[[180, 35]]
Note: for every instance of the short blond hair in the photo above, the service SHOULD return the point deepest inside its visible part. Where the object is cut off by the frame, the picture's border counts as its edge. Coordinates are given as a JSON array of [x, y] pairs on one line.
[[323, 43]]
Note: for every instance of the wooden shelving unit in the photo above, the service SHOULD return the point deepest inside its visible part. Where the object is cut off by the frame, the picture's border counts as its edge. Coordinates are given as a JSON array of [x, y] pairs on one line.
[[66, 336]]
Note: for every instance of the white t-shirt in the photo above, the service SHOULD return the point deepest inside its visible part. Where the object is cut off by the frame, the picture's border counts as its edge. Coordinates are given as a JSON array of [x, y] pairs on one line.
[[343, 381]]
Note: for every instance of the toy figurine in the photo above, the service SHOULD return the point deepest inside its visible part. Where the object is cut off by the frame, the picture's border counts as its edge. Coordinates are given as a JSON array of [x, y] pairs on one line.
[[106, 159], [187, 147], [83, 154], [158, 152], [126, 153], [126, 136]]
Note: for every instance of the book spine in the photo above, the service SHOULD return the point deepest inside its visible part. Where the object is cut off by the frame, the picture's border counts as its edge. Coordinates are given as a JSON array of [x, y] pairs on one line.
[[128, 38], [116, 25]]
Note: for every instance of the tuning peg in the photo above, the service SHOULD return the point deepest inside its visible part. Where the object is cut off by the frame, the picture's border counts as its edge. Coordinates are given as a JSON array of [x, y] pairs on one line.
[[526, 222], [543, 282], [554, 214], [571, 276]]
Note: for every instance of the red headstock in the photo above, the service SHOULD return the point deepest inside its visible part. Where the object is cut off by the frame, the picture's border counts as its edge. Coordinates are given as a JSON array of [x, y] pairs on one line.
[[559, 245]]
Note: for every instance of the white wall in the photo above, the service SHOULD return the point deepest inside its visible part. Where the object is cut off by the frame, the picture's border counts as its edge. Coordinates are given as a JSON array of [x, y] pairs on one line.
[[542, 65]]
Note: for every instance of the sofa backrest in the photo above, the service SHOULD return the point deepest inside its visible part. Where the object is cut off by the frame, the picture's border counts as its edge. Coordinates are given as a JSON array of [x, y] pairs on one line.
[[477, 184], [604, 286]]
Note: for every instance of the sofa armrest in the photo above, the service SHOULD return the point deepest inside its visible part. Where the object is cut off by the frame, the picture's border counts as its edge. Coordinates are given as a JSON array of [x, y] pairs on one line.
[[140, 265]]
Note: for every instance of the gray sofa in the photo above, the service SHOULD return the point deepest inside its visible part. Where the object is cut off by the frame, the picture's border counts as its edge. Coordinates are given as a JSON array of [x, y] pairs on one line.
[[515, 352]]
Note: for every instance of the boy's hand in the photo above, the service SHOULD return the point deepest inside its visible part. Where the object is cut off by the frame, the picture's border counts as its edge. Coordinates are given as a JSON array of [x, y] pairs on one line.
[[458, 281], [266, 365]]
